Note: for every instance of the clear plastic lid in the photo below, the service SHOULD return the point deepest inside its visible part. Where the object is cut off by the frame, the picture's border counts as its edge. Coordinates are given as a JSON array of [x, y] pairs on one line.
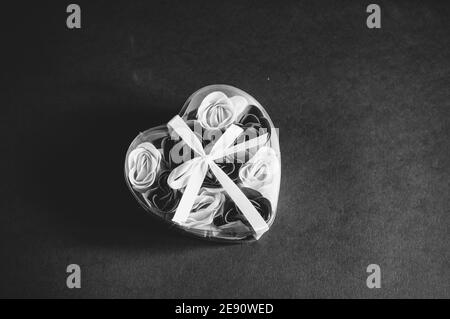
[[160, 164]]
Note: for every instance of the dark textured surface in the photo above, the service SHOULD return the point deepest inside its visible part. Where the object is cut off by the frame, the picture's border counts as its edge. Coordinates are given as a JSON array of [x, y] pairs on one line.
[[364, 119]]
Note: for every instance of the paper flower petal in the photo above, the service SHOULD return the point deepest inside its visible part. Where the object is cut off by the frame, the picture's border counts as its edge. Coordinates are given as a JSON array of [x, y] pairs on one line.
[[179, 177], [232, 213], [213, 97], [143, 164], [162, 197], [206, 206], [216, 111], [239, 104]]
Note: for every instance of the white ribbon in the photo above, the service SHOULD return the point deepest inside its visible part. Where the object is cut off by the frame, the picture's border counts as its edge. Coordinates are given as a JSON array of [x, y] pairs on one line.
[[197, 168]]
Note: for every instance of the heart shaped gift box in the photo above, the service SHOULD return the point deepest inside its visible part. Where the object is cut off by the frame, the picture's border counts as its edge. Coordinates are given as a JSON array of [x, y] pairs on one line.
[[214, 170]]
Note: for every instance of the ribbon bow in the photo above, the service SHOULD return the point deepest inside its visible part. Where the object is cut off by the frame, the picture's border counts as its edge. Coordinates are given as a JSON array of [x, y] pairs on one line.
[[192, 173]]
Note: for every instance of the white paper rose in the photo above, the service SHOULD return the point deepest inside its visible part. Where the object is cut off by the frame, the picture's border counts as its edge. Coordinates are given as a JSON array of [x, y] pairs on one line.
[[143, 164], [261, 169], [207, 204], [218, 111]]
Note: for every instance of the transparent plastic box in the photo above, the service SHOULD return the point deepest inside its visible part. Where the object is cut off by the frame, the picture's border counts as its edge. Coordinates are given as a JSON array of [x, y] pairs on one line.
[[157, 171]]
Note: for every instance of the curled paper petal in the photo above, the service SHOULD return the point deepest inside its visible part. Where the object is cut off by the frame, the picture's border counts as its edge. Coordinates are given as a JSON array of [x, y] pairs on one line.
[[206, 206], [239, 103], [167, 146], [232, 213], [261, 172], [260, 169], [217, 111], [143, 164], [212, 98], [254, 124], [162, 197]]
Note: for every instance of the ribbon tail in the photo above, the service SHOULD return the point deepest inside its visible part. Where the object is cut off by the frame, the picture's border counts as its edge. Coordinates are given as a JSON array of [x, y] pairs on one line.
[[258, 224], [190, 193], [226, 140]]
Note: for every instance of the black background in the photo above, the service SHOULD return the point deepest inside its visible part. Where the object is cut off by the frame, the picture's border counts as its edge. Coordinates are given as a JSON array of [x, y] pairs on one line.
[[364, 133]]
